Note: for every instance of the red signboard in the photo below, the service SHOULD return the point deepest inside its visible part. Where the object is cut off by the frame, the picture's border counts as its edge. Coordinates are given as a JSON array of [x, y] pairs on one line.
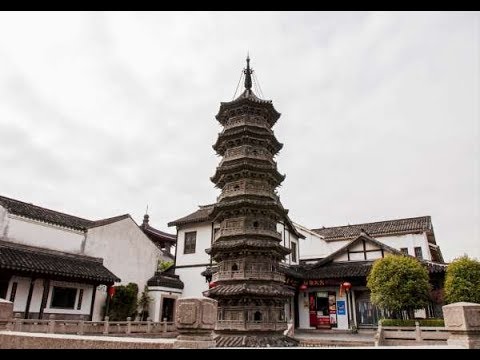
[[323, 321]]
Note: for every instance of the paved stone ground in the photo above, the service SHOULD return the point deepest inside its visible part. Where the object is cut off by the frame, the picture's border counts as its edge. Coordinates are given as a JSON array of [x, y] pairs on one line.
[[334, 338], [21, 340]]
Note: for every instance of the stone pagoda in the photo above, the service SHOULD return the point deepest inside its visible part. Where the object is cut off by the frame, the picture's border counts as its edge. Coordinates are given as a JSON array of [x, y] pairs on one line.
[[248, 284]]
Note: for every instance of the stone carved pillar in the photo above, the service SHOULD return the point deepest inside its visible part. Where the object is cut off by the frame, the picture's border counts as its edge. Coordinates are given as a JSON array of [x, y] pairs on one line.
[[195, 320], [6, 313], [462, 320]]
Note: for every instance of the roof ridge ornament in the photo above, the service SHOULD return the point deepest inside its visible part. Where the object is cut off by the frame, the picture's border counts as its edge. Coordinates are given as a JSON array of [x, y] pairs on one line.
[[248, 75]]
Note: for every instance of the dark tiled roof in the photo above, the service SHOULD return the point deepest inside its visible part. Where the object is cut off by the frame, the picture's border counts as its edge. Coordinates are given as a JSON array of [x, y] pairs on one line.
[[39, 213], [54, 217], [435, 267], [45, 262], [165, 279], [354, 269], [156, 234], [375, 229], [246, 97], [109, 220], [250, 289], [200, 215], [247, 244], [339, 270], [294, 271]]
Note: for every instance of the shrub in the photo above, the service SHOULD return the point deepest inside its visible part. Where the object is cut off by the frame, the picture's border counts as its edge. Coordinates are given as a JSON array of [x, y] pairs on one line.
[[411, 322], [399, 283], [462, 281], [124, 303]]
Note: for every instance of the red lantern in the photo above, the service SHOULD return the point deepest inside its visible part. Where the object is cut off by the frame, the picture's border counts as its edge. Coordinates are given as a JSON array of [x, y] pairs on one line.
[[303, 287], [212, 284], [347, 286], [111, 291]]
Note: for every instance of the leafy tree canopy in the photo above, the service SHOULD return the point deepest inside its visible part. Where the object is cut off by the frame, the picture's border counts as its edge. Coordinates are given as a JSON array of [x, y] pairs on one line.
[[399, 283], [124, 303], [462, 281]]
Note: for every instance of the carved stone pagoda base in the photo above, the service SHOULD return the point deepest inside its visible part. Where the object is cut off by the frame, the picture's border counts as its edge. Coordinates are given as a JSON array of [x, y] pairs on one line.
[[255, 340]]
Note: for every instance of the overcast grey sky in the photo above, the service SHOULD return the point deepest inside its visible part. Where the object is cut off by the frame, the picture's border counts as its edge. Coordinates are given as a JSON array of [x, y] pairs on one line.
[[104, 113]]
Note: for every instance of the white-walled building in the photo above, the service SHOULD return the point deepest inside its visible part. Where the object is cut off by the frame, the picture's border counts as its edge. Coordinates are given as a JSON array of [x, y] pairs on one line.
[[51, 262], [322, 261], [195, 233]]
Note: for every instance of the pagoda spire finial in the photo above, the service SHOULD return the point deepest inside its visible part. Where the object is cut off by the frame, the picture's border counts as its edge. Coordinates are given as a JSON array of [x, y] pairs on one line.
[[248, 75]]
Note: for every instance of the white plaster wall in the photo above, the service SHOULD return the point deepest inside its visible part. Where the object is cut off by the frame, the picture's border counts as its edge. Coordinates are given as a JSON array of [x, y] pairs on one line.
[[100, 300], [409, 241], [357, 247], [23, 284], [194, 282], [36, 233], [356, 256], [36, 296], [3, 221], [155, 293], [126, 251], [154, 308], [303, 311], [313, 246], [373, 255], [342, 320], [341, 257], [204, 233]]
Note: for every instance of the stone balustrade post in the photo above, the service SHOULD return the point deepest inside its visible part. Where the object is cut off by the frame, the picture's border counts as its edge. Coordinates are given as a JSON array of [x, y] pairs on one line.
[[379, 335], [81, 326], [6, 313], [129, 325], [164, 325], [106, 325], [51, 324], [17, 322], [195, 319], [149, 325], [462, 320], [418, 332]]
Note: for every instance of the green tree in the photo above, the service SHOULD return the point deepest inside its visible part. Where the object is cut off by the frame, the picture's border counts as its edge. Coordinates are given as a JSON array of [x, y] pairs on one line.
[[164, 265], [143, 303], [124, 303], [399, 283], [462, 281]]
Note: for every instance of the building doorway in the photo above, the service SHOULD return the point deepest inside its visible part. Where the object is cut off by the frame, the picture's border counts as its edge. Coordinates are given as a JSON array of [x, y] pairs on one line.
[[168, 308], [367, 313], [322, 309]]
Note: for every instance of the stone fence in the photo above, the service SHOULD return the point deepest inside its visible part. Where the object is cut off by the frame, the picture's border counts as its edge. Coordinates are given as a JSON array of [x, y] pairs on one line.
[[195, 321], [409, 335], [81, 327]]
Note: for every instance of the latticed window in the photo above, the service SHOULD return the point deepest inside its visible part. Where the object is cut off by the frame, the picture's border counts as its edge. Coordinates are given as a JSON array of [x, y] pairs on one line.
[[294, 252], [190, 242], [404, 250], [418, 252]]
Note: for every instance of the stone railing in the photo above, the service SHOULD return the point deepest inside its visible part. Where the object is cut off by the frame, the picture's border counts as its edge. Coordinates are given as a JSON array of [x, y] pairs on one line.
[[410, 335], [240, 274], [254, 325], [244, 153], [82, 327], [243, 191], [242, 120], [247, 231]]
